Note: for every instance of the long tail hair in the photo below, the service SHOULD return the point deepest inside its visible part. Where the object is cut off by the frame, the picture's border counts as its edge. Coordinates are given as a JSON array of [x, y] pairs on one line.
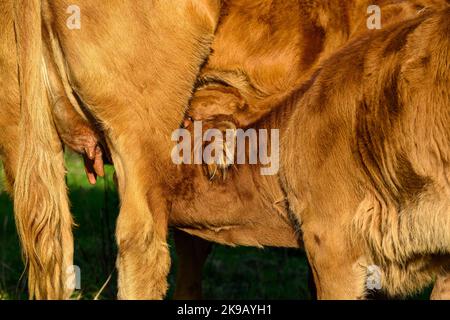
[[41, 204]]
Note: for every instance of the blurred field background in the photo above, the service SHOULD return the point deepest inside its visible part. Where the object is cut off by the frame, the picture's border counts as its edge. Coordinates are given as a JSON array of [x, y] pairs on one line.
[[230, 273]]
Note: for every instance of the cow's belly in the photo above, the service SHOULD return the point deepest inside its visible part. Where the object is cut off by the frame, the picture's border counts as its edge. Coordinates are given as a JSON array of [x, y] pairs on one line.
[[246, 209]]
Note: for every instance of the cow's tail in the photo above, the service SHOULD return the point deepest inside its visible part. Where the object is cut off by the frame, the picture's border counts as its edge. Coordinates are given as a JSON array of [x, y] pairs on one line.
[[41, 204]]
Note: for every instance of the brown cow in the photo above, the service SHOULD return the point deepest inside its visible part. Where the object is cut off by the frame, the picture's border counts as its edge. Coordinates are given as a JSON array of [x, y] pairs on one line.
[[126, 76], [72, 129], [254, 66], [136, 151], [71, 124], [361, 181], [383, 190]]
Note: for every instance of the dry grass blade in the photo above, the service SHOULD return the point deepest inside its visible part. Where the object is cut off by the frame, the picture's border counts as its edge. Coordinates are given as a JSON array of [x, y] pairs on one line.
[[103, 286]]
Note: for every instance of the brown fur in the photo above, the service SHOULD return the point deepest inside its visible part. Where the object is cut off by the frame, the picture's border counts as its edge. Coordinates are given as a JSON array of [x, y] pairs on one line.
[[74, 131], [140, 100], [441, 289], [148, 181], [9, 94], [358, 175], [246, 78], [40, 199], [264, 50], [377, 194], [261, 54], [271, 231], [215, 100], [68, 122]]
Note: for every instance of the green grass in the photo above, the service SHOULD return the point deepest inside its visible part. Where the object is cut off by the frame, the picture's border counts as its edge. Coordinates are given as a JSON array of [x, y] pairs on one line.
[[230, 273]]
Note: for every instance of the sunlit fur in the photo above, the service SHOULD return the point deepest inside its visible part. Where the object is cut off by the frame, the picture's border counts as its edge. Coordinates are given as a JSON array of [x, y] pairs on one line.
[[9, 94], [233, 84], [365, 161], [73, 130], [41, 205], [139, 111], [171, 62], [369, 174]]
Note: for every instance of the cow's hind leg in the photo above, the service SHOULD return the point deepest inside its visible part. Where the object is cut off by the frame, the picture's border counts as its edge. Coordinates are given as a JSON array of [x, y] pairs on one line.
[[143, 261], [140, 115]]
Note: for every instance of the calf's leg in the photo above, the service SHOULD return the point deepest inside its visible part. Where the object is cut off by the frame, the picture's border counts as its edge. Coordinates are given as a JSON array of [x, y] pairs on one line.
[[441, 289], [192, 254]]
